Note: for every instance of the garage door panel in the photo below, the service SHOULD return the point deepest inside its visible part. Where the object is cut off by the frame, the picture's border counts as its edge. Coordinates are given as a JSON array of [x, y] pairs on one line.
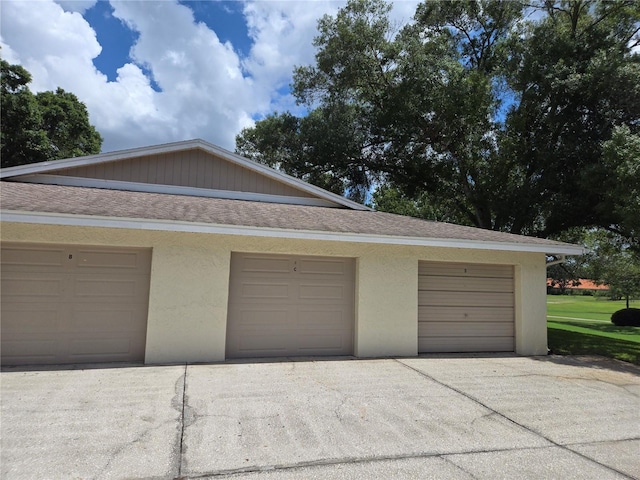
[[309, 312], [263, 291], [320, 292], [261, 317], [113, 290], [469, 314], [476, 299], [103, 319], [73, 304], [109, 260], [29, 350], [29, 319], [321, 320], [474, 284], [116, 347], [465, 270], [18, 286], [321, 267], [262, 345], [465, 344], [261, 264], [21, 259], [318, 344], [466, 329]]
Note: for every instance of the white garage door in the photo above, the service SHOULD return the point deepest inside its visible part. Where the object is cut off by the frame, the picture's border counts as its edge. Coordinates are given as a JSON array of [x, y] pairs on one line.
[[63, 304], [290, 306], [465, 308]]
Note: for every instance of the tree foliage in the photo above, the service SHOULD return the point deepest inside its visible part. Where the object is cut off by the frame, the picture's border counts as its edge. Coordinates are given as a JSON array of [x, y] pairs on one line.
[[323, 148], [621, 158], [613, 262], [42, 127], [576, 80], [471, 113]]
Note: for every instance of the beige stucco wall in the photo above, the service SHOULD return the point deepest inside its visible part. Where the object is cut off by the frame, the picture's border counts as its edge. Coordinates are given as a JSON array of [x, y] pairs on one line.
[[386, 304], [190, 283]]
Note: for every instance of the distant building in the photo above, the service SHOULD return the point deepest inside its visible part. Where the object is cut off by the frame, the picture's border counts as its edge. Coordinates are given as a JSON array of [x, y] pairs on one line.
[[578, 286]]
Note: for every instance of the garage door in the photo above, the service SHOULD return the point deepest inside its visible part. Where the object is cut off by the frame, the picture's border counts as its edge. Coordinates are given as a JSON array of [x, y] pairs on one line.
[[73, 304], [465, 308], [290, 306]]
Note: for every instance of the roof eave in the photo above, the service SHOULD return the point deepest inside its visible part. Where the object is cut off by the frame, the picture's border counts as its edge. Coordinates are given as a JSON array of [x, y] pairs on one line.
[[223, 229]]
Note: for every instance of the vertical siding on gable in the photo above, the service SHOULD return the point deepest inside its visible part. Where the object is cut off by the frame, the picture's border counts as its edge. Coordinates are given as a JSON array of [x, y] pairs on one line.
[[200, 173], [191, 168]]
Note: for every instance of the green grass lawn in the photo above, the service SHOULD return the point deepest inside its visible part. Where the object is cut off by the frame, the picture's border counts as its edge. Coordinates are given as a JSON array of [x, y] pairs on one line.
[[580, 325]]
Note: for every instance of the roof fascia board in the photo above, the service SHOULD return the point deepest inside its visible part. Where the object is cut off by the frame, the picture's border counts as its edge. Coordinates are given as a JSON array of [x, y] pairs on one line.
[[178, 226], [174, 147], [172, 190]]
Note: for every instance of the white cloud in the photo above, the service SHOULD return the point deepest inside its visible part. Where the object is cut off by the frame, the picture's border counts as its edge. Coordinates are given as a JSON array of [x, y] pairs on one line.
[[207, 90], [79, 6], [204, 93], [41, 38]]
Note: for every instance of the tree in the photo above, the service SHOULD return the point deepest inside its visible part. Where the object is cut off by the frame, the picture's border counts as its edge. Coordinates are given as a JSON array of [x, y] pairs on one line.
[[65, 121], [497, 121], [42, 127], [425, 95], [575, 79], [22, 138], [621, 156], [389, 199], [611, 261], [323, 148]]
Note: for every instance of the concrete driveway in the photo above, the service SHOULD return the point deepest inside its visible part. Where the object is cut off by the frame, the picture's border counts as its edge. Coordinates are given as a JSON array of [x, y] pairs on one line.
[[429, 417]]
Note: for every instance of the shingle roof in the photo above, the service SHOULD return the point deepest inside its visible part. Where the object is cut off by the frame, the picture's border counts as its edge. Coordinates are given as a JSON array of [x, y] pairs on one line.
[[55, 199]]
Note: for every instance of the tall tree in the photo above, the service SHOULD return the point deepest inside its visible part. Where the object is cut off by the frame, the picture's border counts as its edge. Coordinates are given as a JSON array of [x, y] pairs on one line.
[[42, 127], [22, 138], [575, 79], [493, 120]]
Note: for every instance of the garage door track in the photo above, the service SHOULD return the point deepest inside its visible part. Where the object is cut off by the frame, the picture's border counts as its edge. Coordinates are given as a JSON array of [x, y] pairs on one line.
[[428, 417]]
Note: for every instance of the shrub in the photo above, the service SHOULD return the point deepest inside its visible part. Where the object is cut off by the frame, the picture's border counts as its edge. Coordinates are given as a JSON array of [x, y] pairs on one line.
[[627, 317]]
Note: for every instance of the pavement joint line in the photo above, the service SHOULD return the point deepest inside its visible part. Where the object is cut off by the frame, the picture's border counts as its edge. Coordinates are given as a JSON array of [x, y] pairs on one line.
[[184, 394], [326, 462], [596, 442], [500, 414]]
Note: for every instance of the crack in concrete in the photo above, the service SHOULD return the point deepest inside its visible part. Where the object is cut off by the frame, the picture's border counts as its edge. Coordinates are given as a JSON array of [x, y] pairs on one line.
[[459, 467], [336, 411], [483, 417], [500, 414], [118, 451], [326, 462], [178, 403]]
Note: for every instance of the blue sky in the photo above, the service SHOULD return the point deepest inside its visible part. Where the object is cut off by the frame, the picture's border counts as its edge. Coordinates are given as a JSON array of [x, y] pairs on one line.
[[157, 71]]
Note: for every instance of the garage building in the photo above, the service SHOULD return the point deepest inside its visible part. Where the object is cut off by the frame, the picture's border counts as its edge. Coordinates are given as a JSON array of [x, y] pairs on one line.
[[186, 252]]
